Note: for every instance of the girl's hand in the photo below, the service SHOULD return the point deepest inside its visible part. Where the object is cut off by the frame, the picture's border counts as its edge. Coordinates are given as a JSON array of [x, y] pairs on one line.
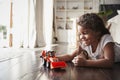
[[79, 61]]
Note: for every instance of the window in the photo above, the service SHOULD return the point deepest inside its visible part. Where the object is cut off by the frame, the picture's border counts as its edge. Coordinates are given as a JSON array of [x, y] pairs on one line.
[[4, 22]]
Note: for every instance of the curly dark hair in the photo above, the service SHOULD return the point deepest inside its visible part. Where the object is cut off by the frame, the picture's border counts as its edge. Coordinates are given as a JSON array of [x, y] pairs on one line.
[[94, 22]]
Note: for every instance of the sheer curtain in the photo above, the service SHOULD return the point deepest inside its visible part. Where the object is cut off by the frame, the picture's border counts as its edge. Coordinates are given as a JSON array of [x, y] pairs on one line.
[[44, 22], [24, 25], [32, 23], [39, 23], [48, 21]]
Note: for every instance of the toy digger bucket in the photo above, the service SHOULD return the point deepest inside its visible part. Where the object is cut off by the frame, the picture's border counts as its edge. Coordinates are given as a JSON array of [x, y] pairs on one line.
[[60, 64]]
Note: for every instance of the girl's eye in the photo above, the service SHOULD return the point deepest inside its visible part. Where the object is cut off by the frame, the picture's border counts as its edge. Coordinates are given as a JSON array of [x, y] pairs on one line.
[[78, 34], [85, 32]]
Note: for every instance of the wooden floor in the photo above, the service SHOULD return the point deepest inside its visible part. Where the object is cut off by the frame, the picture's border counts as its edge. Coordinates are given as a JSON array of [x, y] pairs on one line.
[[25, 64]]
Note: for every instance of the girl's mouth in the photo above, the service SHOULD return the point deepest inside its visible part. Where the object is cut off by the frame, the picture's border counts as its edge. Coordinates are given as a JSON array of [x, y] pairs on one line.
[[85, 42]]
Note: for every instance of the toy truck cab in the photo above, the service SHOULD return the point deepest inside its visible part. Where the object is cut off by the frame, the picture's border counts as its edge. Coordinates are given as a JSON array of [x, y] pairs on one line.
[[51, 61]]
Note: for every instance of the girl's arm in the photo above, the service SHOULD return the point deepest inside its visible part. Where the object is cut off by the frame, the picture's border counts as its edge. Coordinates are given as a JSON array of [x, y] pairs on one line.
[[108, 59], [67, 57], [105, 62]]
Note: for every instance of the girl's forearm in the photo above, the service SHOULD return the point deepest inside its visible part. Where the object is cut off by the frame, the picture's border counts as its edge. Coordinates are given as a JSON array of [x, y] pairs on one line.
[[103, 63], [65, 57]]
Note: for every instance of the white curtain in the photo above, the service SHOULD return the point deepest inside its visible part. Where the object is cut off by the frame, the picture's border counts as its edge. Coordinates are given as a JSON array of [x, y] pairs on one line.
[[39, 23], [32, 23], [48, 23], [24, 24], [44, 22]]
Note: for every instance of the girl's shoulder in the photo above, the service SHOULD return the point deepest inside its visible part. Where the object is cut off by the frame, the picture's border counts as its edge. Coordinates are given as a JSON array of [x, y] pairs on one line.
[[106, 39]]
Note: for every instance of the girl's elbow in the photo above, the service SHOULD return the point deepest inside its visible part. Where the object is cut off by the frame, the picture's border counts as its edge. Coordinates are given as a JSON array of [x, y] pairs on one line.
[[110, 63]]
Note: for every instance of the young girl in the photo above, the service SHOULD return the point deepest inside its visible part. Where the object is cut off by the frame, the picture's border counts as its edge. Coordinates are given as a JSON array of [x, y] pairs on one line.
[[95, 41]]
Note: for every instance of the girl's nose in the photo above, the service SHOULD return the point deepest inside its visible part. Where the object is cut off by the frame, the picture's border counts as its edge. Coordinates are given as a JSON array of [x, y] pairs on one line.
[[81, 37]]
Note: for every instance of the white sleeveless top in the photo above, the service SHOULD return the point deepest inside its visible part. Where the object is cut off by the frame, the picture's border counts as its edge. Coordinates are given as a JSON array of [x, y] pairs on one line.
[[99, 51]]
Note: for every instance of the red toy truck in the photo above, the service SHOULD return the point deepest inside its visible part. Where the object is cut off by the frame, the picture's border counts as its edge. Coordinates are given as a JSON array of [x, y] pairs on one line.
[[51, 61]]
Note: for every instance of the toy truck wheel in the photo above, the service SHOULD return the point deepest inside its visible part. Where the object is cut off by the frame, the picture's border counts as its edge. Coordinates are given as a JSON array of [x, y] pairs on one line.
[[44, 62], [48, 64]]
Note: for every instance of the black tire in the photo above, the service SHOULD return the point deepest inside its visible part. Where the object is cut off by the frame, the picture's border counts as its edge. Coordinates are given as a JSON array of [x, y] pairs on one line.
[[44, 62], [48, 64]]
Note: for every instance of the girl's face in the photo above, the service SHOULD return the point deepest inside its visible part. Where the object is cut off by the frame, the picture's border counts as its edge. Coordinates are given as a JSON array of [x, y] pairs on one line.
[[87, 36]]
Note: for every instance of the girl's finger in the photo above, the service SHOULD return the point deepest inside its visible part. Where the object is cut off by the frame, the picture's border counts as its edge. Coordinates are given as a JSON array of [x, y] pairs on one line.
[[74, 61]]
